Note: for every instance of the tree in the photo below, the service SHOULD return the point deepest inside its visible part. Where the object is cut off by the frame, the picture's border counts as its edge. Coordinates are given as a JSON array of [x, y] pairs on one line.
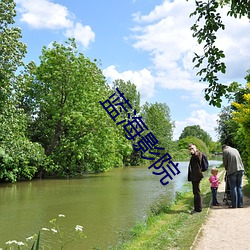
[[158, 120], [215, 147], [196, 131], [227, 128], [208, 23], [131, 94], [184, 142], [19, 158], [230, 130], [12, 50], [241, 116], [66, 116]]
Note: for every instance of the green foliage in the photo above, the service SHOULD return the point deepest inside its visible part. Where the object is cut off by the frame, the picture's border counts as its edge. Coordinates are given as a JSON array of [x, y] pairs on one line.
[[196, 131], [241, 116], [205, 28], [66, 117], [233, 123], [11, 49], [237, 8], [157, 118], [20, 158], [201, 146], [180, 154], [131, 94], [227, 127], [215, 147]]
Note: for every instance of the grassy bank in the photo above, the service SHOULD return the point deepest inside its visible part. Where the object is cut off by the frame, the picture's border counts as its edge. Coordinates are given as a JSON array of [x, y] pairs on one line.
[[170, 227]]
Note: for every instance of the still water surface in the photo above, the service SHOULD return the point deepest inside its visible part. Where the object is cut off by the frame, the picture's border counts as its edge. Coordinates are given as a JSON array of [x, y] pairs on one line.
[[104, 204]]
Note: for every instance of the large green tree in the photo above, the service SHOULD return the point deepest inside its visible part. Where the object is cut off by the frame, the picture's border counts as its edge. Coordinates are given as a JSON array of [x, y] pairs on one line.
[[19, 157], [196, 131], [210, 63], [184, 142], [66, 116]]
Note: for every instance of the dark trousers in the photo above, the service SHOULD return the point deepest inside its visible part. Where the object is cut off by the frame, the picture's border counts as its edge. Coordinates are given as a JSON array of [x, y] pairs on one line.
[[235, 181], [197, 196], [214, 196]]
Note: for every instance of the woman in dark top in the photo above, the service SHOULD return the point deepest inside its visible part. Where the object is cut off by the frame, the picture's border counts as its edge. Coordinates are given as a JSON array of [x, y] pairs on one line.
[[195, 175]]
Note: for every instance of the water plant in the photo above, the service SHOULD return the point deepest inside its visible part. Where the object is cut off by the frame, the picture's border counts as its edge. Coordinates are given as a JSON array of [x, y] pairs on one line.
[[52, 237]]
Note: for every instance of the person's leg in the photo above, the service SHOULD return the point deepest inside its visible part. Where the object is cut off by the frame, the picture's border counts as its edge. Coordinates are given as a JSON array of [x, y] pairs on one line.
[[197, 196], [233, 189], [216, 189], [239, 188], [214, 201]]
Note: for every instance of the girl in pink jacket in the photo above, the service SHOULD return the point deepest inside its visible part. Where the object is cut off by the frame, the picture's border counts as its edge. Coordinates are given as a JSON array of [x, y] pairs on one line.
[[214, 185]]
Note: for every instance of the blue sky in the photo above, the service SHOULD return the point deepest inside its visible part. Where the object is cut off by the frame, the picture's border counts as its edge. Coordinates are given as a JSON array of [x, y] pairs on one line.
[[148, 42]]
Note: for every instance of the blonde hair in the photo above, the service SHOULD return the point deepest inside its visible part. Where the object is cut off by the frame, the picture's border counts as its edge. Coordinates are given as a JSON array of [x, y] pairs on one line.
[[214, 170]]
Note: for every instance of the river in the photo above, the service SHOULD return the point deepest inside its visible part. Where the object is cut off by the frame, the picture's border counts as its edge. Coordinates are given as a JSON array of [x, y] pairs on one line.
[[105, 204]]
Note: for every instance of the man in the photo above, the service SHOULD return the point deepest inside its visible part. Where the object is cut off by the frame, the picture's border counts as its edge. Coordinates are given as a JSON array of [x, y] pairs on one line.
[[235, 170], [195, 175]]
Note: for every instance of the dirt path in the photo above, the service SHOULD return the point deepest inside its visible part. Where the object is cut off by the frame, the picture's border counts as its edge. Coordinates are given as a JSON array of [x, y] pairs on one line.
[[225, 228]]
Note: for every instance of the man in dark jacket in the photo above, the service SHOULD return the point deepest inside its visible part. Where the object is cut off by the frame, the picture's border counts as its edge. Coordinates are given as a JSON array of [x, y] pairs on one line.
[[195, 175]]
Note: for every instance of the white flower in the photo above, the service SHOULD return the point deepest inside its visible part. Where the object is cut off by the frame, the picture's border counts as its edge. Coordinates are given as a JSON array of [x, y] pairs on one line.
[[10, 242], [61, 215], [20, 243], [78, 228], [45, 229], [54, 230], [29, 238]]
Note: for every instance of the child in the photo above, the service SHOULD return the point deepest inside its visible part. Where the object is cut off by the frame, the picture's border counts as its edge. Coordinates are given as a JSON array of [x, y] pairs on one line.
[[214, 185]]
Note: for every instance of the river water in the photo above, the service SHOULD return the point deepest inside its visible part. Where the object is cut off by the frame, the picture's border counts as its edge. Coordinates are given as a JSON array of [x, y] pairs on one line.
[[104, 204]]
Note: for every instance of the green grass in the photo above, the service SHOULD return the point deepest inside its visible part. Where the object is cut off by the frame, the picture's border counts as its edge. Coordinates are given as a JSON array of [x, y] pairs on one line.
[[170, 226], [246, 188]]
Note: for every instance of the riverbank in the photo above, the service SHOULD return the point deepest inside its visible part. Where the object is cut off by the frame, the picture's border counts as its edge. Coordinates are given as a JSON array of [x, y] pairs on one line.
[[171, 227]]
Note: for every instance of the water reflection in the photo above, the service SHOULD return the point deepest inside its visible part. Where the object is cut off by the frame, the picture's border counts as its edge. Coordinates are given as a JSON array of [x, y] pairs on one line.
[[105, 204]]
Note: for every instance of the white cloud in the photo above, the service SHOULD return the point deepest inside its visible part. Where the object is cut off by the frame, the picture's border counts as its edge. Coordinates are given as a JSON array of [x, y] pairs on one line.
[[208, 122], [83, 34], [143, 80], [44, 14], [234, 41], [165, 33], [167, 36]]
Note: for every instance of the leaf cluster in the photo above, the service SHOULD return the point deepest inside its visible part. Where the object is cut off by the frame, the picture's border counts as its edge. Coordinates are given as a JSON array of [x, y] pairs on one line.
[[210, 63]]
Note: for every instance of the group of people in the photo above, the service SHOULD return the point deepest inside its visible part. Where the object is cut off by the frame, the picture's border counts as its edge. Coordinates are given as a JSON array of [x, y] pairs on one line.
[[234, 167]]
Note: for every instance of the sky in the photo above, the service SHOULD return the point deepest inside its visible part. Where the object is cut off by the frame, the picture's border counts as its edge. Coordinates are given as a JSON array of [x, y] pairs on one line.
[[147, 42]]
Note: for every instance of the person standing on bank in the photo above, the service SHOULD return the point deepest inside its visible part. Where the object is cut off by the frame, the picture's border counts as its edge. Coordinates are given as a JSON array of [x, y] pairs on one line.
[[235, 169], [214, 181], [195, 175]]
